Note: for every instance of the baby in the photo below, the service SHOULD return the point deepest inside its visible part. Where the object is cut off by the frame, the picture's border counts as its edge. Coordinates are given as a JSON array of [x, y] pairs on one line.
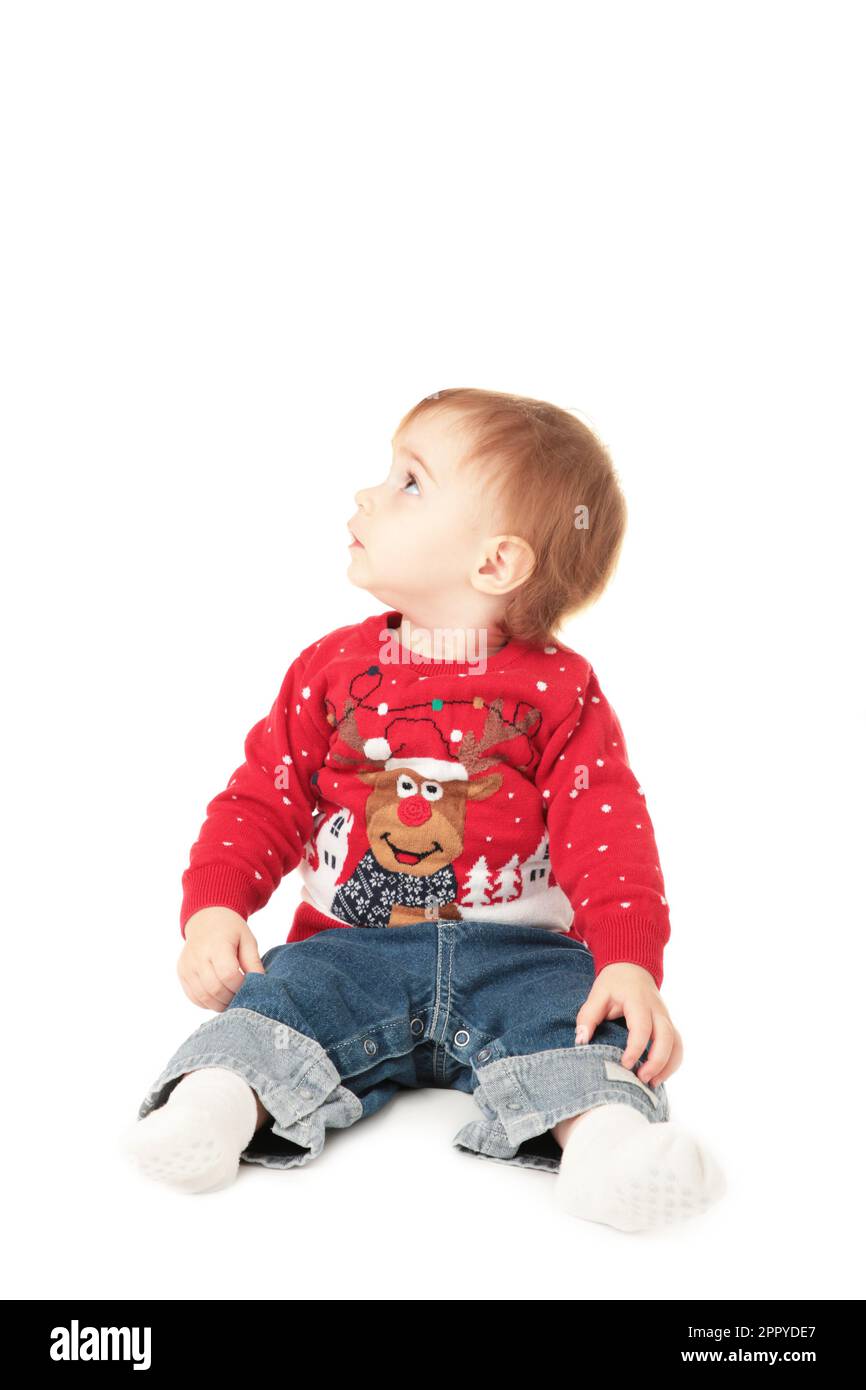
[[451, 771]]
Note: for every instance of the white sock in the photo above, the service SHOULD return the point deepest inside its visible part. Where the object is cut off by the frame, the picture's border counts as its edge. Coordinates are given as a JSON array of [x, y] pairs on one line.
[[622, 1169], [194, 1141]]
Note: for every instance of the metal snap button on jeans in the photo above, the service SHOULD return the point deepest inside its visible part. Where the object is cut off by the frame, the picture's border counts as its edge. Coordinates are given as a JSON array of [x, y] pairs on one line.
[[461, 1037], [483, 1054], [417, 1026], [370, 1046], [307, 1095]]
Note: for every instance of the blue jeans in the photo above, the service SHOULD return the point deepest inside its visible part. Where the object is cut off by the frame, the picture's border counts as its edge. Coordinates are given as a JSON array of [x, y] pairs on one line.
[[342, 1021]]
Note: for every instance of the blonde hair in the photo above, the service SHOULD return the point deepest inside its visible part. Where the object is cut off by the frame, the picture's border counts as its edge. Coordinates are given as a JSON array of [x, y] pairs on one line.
[[544, 464]]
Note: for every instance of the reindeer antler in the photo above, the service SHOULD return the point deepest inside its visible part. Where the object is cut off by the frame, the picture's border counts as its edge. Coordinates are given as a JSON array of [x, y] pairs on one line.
[[351, 734], [473, 750], [496, 730]]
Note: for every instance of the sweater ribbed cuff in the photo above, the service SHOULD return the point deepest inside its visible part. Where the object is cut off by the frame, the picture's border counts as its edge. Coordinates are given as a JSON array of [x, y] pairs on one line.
[[619, 936], [216, 885]]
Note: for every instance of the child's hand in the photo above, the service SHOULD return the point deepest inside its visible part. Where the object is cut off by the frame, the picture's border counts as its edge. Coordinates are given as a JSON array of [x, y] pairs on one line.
[[219, 948], [626, 989]]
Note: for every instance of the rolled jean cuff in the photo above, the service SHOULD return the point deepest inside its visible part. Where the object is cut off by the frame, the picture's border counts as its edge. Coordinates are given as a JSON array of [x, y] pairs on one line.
[[291, 1073], [523, 1097]]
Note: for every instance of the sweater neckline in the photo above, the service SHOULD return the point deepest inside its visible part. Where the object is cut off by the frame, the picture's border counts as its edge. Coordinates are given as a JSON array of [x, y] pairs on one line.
[[371, 628]]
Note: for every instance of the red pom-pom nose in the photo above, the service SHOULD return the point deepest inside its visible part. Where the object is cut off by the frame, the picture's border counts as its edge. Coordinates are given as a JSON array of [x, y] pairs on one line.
[[414, 810]]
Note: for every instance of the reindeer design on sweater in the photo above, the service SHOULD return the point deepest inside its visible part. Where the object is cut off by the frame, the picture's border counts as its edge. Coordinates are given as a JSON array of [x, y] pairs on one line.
[[415, 818]]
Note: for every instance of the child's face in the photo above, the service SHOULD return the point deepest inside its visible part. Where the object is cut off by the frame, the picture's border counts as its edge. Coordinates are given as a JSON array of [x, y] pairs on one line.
[[424, 529]]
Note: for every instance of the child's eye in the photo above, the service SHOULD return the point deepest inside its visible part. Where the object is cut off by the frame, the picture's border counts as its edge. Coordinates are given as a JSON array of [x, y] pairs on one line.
[[412, 479]]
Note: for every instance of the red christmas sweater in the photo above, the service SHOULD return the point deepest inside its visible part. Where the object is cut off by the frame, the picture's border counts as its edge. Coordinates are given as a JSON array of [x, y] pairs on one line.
[[496, 790]]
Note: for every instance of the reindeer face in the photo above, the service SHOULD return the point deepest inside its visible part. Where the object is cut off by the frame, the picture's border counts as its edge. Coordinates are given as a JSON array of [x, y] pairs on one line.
[[415, 824]]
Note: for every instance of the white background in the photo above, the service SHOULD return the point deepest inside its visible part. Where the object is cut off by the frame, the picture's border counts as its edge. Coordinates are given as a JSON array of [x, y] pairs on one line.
[[240, 241]]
